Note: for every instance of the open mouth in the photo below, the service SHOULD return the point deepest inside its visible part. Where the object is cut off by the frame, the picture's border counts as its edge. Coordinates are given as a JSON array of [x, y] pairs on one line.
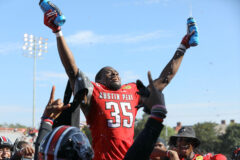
[[115, 80]]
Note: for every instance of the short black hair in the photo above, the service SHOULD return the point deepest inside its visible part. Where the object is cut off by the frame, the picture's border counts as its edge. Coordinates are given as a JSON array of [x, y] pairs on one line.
[[99, 74]]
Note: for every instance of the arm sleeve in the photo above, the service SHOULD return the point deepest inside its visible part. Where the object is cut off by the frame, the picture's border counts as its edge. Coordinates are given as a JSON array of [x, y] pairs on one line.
[[45, 128], [145, 141], [82, 82]]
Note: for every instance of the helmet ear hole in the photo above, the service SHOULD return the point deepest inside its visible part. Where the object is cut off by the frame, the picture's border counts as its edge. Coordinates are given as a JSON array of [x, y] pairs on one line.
[[67, 150]]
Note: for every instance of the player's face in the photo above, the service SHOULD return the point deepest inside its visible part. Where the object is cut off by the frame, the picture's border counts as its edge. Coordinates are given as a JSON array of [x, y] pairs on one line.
[[184, 147], [111, 79], [160, 145], [5, 153]]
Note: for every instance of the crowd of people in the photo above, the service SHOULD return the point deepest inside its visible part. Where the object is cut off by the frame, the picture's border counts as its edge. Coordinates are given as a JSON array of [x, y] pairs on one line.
[[110, 109]]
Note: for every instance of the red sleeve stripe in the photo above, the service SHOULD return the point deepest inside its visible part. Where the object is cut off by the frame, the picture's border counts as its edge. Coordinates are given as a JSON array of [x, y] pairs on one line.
[[48, 121], [156, 118]]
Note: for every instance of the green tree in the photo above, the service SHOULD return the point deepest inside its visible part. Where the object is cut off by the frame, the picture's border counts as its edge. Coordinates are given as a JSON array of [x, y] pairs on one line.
[[139, 124], [166, 133], [87, 132], [207, 134], [230, 139], [17, 125]]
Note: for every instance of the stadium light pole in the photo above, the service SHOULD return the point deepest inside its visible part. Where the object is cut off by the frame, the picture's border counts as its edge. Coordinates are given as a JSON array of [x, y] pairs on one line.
[[34, 47]]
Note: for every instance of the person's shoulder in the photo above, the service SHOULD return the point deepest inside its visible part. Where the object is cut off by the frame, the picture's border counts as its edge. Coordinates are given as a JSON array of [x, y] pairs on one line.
[[99, 86], [129, 85]]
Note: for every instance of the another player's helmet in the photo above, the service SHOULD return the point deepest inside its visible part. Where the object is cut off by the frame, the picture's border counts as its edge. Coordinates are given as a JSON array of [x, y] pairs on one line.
[[5, 142], [65, 142]]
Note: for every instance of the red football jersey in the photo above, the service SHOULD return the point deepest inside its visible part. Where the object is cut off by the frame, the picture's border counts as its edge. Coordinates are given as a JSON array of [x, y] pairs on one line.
[[111, 119]]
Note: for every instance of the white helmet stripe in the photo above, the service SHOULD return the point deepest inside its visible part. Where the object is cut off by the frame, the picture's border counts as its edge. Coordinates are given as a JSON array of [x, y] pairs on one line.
[[49, 141], [60, 140]]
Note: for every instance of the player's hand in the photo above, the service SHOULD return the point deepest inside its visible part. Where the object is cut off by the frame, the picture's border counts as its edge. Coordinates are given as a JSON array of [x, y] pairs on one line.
[[173, 155], [159, 152], [151, 96], [186, 38], [155, 100], [54, 107], [27, 152], [49, 18], [142, 90], [155, 97]]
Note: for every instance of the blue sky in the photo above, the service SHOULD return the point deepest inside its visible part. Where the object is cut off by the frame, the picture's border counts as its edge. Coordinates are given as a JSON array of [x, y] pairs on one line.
[[133, 36]]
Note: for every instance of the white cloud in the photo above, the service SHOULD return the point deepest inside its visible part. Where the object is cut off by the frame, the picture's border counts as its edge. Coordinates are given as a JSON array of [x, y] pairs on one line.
[[7, 47], [89, 37], [45, 76], [85, 37], [145, 37]]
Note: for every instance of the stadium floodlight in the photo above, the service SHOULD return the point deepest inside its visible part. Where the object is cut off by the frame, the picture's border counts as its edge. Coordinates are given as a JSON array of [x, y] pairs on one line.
[[34, 47]]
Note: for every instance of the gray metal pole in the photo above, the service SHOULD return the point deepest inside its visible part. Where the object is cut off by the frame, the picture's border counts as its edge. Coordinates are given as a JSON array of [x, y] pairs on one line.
[[34, 47], [34, 83]]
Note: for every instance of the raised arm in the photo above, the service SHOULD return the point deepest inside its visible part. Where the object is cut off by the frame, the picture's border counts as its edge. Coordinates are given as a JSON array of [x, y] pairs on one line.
[[65, 53], [52, 110], [173, 65], [67, 59], [145, 141], [80, 84]]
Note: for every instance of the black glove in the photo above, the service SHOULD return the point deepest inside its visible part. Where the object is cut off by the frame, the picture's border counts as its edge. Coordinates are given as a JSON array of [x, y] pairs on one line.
[[144, 92]]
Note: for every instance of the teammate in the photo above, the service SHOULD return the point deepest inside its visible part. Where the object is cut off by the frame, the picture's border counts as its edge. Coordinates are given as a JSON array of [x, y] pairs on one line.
[[109, 106], [64, 142], [5, 148], [52, 110]]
